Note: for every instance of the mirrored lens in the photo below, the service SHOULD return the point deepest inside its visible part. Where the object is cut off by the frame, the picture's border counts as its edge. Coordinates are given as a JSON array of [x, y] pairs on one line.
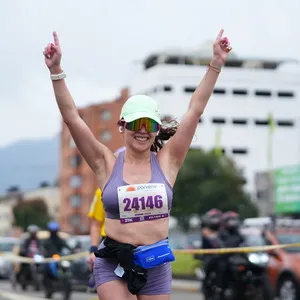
[[149, 124]]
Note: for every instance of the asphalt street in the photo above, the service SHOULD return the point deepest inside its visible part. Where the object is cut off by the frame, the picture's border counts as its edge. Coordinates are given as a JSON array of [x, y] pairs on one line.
[[6, 293]]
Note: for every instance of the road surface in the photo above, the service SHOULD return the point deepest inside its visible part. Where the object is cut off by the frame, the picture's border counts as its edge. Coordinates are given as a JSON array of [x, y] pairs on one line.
[[6, 293]]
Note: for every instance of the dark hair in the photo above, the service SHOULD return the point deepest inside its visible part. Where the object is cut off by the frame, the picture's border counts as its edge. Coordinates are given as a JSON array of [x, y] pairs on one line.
[[166, 131]]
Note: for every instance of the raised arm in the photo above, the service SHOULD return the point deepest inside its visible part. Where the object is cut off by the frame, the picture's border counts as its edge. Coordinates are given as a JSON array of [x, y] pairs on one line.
[[176, 149], [91, 149]]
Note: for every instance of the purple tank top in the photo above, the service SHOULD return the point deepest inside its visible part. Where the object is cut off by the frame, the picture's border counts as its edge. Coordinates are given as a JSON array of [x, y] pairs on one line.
[[110, 193]]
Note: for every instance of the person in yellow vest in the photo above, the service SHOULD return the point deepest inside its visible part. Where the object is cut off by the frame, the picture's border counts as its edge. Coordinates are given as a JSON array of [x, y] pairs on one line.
[[97, 228]]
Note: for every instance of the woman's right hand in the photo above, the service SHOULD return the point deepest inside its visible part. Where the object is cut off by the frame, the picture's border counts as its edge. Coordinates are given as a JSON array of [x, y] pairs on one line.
[[52, 54], [91, 261]]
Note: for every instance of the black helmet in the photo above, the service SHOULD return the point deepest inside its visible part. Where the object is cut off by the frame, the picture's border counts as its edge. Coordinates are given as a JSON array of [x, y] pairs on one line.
[[231, 220], [212, 219]]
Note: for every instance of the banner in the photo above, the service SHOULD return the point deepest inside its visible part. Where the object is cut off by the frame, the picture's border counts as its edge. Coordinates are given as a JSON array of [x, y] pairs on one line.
[[287, 189]]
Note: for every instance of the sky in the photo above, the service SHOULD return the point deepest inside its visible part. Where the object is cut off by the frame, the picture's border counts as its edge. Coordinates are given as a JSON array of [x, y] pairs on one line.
[[103, 43]]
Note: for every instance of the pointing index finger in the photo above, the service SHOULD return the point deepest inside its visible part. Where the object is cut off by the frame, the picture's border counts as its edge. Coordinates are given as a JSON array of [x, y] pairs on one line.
[[56, 40], [220, 34]]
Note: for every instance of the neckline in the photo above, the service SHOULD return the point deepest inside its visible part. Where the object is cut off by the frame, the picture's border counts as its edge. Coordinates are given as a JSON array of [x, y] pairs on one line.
[[122, 157]]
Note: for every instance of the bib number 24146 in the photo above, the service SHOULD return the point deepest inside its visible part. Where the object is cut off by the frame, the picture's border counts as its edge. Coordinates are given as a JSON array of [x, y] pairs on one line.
[[142, 202]]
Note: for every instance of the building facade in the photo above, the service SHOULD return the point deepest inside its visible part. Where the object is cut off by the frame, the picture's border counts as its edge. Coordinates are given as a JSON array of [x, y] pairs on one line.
[[6, 215], [50, 195], [77, 181], [248, 92]]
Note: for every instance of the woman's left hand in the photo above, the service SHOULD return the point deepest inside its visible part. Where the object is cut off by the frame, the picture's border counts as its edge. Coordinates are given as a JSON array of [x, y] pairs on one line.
[[221, 50]]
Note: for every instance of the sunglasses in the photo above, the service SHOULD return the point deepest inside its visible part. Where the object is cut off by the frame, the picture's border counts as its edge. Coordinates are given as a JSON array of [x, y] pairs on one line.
[[149, 124]]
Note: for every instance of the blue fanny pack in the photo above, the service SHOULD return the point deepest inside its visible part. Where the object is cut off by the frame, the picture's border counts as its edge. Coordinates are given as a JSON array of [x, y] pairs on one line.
[[153, 255]]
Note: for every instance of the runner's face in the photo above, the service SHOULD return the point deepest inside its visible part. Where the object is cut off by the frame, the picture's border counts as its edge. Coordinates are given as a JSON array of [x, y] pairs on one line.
[[140, 135]]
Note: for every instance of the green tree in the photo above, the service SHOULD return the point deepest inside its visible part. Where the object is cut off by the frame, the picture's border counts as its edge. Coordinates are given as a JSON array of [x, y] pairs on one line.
[[208, 181], [33, 211]]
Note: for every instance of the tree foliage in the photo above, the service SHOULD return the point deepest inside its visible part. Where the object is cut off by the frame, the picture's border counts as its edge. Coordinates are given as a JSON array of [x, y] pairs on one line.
[[13, 189], [208, 181], [33, 211]]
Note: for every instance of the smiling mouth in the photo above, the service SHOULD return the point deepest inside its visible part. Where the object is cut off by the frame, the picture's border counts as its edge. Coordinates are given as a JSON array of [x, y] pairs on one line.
[[141, 138]]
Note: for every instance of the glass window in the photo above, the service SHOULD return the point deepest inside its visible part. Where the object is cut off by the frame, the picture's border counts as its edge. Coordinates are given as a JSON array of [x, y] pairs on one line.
[[219, 91], [261, 122], [285, 123], [76, 161], [263, 93], [105, 136], [188, 61], [75, 181], [239, 92], [189, 89], [167, 88], [239, 151], [285, 94], [75, 200], [75, 220], [150, 62], [239, 121], [105, 115], [172, 60], [218, 120]]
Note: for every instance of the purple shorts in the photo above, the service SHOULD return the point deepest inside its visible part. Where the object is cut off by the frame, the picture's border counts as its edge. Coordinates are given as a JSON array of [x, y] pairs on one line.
[[158, 282]]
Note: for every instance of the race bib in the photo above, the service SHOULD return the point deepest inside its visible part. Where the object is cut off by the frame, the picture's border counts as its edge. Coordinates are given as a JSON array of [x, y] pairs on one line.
[[142, 202]]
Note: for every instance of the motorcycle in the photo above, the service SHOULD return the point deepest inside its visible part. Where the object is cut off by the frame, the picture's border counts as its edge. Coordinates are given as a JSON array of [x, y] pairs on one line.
[[30, 274], [246, 278], [249, 279], [57, 277], [212, 287]]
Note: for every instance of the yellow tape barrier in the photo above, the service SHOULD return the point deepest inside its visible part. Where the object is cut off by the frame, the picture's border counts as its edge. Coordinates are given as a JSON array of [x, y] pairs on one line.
[[15, 258], [237, 250]]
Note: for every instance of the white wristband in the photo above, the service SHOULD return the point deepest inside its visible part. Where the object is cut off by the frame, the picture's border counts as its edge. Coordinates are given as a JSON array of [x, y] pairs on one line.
[[59, 76]]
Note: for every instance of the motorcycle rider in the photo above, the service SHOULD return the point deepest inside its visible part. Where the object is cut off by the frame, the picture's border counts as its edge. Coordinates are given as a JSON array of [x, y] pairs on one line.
[[232, 238], [54, 244], [30, 247], [211, 223], [230, 233]]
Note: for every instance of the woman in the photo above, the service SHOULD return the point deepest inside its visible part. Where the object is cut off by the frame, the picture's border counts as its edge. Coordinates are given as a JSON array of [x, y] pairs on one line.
[[137, 186]]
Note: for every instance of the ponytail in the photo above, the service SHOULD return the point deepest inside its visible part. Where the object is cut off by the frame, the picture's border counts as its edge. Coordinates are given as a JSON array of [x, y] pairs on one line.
[[165, 133]]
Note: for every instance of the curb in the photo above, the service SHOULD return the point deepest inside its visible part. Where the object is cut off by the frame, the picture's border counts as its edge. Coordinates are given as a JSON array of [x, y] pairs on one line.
[[15, 296], [177, 285], [186, 286]]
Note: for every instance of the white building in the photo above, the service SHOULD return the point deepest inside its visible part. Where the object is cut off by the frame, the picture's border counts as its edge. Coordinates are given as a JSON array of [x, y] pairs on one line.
[[246, 92], [6, 216], [51, 196]]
